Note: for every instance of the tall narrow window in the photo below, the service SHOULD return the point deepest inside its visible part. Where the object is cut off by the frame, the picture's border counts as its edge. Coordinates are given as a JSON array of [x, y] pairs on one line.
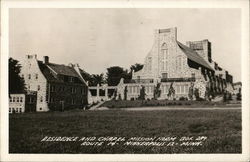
[[29, 76], [36, 76], [164, 57], [52, 88], [38, 87]]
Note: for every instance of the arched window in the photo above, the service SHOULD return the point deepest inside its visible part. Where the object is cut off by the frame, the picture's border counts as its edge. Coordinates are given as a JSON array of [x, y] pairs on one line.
[[164, 57]]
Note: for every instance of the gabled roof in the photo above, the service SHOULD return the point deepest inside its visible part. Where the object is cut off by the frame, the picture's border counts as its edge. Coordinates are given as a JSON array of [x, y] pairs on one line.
[[63, 69], [52, 71], [194, 56], [46, 72]]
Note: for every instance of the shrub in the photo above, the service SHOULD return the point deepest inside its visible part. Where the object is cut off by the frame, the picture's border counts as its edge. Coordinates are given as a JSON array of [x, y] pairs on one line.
[[238, 96], [182, 98]]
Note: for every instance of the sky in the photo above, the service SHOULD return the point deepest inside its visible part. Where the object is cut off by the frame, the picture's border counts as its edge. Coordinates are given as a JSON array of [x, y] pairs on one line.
[[99, 38]]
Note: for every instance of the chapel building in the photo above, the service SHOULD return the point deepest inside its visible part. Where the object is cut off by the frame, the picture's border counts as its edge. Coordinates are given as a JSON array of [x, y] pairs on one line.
[[173, 64]]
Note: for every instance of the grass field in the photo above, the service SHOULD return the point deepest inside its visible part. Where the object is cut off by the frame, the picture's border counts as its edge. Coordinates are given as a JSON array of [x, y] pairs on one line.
[[221, 127], [168, 103]]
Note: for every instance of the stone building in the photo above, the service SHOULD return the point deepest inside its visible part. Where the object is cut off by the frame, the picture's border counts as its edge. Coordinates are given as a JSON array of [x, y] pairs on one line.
[[24, 102], [57, 86], [184, 68], [17, 103]]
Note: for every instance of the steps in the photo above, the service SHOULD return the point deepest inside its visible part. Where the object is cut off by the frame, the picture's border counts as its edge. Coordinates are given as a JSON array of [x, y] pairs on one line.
[[95, 107]]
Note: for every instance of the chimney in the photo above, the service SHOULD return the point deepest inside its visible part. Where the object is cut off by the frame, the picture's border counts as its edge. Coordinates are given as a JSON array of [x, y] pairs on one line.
[[45, 59]]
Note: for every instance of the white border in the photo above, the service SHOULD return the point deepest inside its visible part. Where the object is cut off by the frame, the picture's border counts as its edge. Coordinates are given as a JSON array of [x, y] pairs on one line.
[[7, 4]]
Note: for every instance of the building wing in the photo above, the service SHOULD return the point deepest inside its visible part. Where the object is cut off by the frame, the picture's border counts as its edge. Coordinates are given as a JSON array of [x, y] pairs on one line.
[[194, 56], [53, 72]]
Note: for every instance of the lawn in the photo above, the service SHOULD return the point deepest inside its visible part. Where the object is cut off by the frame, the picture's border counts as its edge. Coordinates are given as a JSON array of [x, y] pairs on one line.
[[168, 103], [221, 127]]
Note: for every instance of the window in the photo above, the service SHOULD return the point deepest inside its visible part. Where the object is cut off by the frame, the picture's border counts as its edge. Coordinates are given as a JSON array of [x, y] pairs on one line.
[[10, 99], [9, 110], [38, 87], [40, 108], [83, 91], [41, 99], [20, 109], [71, 79], [177, 89], [14, 99], [186, 88], [72, 101], [13, 110], [151, 89], [52, 88], [73, 90], [52, 99], [36, 76], [193, 75], [164, 57], [182, 89], [29, 76], [164, 75], [166, 89], [21, 99], [17, 99]]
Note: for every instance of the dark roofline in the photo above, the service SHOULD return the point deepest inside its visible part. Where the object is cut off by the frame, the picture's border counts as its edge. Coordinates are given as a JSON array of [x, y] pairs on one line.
[[194, 56]]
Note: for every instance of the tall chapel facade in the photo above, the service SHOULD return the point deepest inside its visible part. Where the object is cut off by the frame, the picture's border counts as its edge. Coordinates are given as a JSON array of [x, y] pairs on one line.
[[173, 64]]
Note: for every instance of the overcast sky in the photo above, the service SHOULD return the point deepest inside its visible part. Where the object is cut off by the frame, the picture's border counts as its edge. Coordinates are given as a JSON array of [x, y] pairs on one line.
[[100, 38]]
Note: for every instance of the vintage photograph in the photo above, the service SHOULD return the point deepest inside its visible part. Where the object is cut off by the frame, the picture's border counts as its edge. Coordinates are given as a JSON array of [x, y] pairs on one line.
[[125, 81]]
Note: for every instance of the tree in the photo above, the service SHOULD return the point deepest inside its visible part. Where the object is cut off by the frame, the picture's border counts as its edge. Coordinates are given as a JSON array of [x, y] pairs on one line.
[[114, 75], [239, 95], [125, 92], [142, 93], [197, 94], [191, 91], [157, 91], [136, 67], [97, 79], [171, 91], [16, 82]]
